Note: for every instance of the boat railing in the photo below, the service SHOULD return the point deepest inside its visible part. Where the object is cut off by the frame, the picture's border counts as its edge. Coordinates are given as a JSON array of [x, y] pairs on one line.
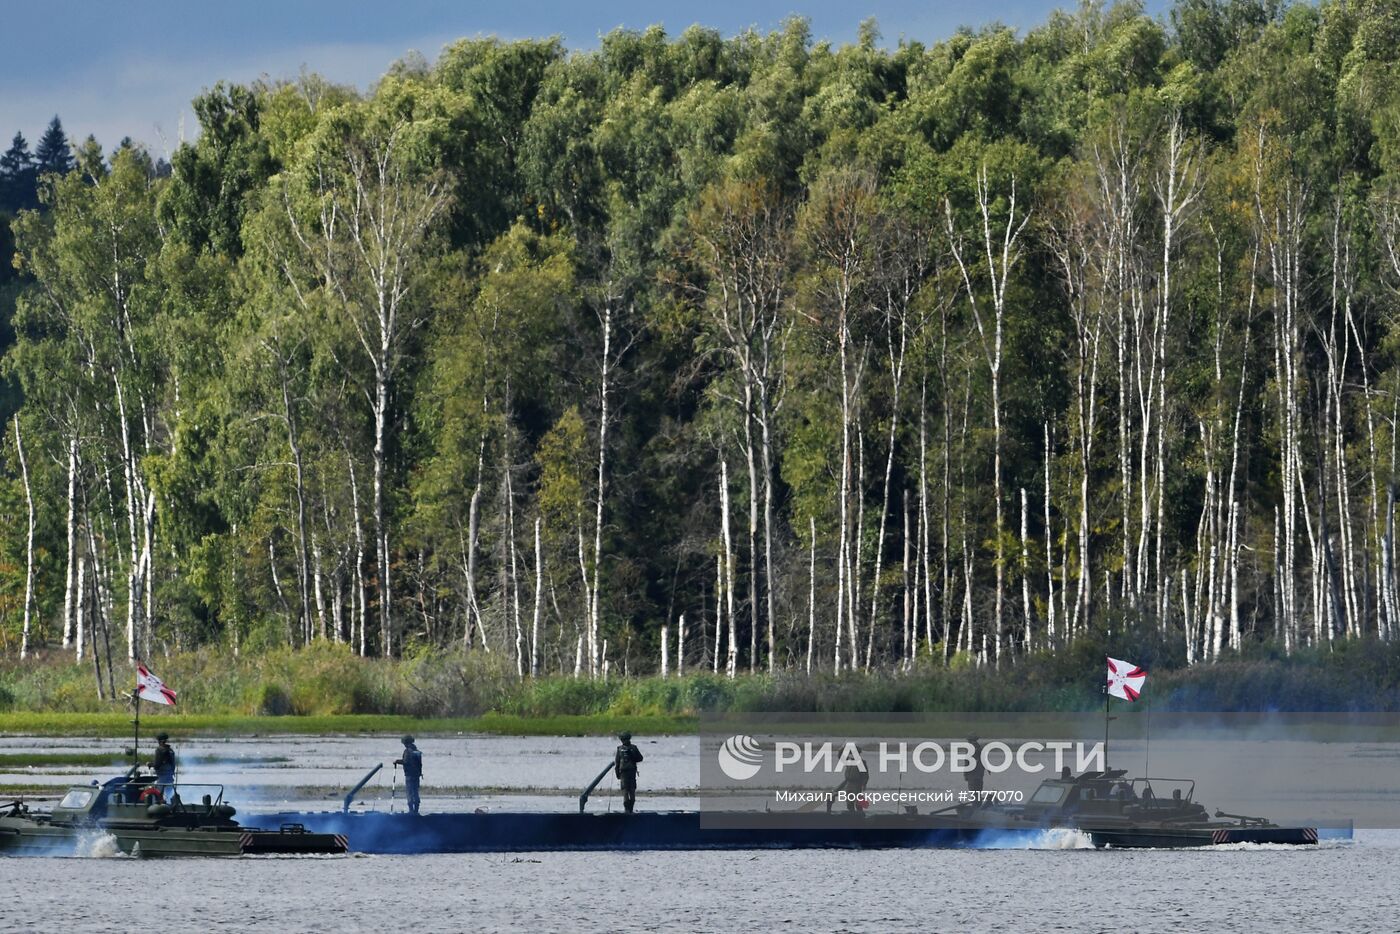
[[1145, 789], [128, 789], [216, 796]]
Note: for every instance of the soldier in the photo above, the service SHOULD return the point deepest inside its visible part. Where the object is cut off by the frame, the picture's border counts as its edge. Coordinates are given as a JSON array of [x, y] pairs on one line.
[[412, 763], [853, 782], [163, 764], [625, 767]]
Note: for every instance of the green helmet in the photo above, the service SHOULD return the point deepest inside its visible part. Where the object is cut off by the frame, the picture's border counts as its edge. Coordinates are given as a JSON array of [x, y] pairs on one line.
[[625, 736], [408, 740], [162, 737]]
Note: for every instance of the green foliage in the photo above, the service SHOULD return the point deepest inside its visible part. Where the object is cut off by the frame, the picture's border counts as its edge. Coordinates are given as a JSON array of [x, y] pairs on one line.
[[270, 700], [320, 379], [215, 176], [324, 687]]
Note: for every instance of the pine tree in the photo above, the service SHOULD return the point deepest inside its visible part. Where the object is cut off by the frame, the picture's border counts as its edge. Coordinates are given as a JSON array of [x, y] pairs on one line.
[[53, 154], [17, 176]]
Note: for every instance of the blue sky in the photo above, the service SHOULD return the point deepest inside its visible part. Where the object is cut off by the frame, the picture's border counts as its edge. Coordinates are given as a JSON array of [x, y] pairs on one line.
[[131, 68]]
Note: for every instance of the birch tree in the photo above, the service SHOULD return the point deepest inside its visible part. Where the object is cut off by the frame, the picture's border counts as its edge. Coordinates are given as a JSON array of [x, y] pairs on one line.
[[743, 234], [836, 234], [1000, 246], [363, 209]]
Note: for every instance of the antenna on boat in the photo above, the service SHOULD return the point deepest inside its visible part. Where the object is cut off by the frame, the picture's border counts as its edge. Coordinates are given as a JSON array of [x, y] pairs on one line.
[[1106, 698], [1147, 745], [136, 729]]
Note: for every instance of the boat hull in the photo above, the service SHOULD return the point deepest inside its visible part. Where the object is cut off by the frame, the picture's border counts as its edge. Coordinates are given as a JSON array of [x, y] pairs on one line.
[[20, 837], [522, 832], [1169, 838], [378, 832]]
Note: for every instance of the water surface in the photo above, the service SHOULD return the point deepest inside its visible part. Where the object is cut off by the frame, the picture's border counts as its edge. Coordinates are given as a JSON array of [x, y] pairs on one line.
[[1329, 888], [1060, 886]]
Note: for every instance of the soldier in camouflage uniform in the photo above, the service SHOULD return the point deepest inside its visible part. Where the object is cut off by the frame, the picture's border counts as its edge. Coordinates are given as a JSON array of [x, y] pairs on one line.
[[625, 767]]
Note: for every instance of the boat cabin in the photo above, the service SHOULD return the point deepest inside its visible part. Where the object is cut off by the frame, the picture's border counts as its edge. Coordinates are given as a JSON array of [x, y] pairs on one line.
[[1111, 794], [138, 798]]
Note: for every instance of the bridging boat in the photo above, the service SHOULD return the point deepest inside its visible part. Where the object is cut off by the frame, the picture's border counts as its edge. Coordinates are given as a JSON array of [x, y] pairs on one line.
[[1107, 807], [132, 809], [1118, 811]]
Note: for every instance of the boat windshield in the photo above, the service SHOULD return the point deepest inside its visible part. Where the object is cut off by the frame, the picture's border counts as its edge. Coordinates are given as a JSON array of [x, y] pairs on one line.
[[1049, 794], [76, 799]]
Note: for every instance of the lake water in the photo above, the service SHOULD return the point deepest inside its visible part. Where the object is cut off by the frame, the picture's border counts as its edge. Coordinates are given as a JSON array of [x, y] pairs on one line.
[[1329, 888], [460, 772], [1061, 885]]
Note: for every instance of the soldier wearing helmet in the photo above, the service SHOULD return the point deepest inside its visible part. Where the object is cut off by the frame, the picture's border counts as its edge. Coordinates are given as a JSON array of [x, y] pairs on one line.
[[625, 767], [163, 764], [412, 763]]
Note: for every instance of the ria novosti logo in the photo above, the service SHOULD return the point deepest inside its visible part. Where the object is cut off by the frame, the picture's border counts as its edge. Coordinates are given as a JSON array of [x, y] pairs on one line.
[[740, 757]]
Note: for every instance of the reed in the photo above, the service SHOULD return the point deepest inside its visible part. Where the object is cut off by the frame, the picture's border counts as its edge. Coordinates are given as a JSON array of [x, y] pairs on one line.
[[326, 688]]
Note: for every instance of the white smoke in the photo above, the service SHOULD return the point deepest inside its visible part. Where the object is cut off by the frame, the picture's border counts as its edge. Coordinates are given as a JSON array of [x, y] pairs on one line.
[[97, 845]]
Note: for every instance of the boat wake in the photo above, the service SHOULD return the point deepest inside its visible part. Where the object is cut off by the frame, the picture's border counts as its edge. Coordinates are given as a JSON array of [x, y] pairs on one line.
[[1053, 838], [1281, 847], [97, 845], [1062, 838]]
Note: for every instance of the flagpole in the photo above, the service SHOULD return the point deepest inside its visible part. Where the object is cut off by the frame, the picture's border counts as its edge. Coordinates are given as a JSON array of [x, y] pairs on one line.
[[1147, 754], [1106, 698], [136, 730]]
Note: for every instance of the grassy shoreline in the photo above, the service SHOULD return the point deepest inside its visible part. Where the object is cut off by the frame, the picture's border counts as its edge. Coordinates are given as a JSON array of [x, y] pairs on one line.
[[325, 688], [119, 725]]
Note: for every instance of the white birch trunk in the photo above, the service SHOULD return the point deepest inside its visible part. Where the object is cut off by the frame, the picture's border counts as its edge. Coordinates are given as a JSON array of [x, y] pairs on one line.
[[474, 620], [1050, 634], [360, 609], [71, 529], [719, 611], [602, 475], [897, 382], [680, 647], [732, 663], [80, 602], [906, 646], [751, 463], [1025, 573], [1001, 258], [316, 572], [514, 576], [539, 595], [811, 591], [28, 544]]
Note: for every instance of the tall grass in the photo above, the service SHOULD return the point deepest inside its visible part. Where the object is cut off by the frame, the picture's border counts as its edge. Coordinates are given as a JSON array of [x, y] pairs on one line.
[[118, 724], [327, 680]]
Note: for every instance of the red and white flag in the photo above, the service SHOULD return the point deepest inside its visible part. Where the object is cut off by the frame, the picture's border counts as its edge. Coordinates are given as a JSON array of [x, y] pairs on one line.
[[151, 688], [1125, 679]]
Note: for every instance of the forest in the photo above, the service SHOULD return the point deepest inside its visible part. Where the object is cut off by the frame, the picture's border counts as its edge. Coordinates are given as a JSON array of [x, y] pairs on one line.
[[726, 354]]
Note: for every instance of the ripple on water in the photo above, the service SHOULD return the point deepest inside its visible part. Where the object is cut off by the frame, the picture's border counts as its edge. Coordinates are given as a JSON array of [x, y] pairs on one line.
[[1302, 888]]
